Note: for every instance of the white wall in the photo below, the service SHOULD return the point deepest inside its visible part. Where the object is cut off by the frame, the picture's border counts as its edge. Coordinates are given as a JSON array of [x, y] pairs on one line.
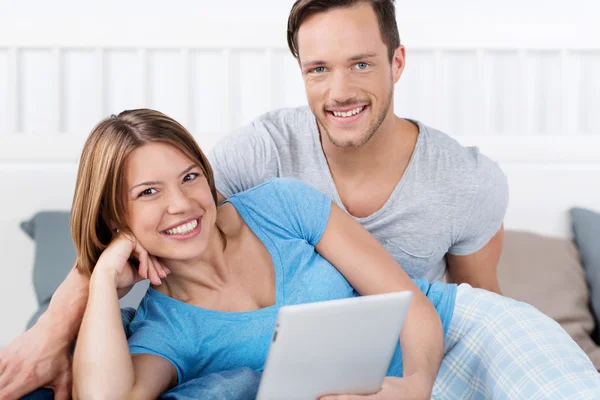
[[408, 10], [521, 79]]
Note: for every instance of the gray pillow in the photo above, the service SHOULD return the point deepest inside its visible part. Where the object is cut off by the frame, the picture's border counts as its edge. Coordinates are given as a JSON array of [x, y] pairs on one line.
[[586, 232], [55, 256], [54, 251]]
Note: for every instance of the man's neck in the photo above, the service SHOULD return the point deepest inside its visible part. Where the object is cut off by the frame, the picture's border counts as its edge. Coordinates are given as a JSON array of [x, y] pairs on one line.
[[382, 153]]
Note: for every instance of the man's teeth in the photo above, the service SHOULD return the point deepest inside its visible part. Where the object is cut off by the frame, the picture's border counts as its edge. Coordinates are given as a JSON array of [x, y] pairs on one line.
[[185, 228], [349, 113]]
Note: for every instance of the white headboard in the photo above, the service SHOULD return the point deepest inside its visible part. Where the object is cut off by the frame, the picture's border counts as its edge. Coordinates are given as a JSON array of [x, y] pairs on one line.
[[528, 95]]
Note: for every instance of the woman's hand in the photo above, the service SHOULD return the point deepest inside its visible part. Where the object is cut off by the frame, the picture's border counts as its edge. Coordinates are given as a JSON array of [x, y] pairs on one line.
[[412, 387], [116, 260]]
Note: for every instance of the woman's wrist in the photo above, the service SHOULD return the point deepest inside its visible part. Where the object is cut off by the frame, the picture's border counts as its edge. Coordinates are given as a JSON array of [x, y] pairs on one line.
[[104, 277]]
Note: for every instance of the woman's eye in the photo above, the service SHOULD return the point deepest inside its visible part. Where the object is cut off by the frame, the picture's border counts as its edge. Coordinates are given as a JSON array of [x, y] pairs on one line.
[[362, 65], [147, 192], [190, 177]]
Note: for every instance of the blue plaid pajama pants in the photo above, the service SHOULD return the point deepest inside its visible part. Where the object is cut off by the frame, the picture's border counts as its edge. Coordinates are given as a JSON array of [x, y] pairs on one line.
[[499, 348]]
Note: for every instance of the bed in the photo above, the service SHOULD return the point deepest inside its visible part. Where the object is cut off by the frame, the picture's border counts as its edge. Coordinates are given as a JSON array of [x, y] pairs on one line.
[[526, 95]]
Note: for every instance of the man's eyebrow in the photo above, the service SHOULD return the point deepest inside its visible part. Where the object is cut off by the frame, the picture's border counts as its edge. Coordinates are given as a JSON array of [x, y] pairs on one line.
[[318, 63], [315, 63], [150, 183], [362, 56]]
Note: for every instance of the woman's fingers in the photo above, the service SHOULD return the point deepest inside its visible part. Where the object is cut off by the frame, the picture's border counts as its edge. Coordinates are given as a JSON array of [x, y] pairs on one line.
[[144, 264], [153, 272], [149, 266], [165, 270]]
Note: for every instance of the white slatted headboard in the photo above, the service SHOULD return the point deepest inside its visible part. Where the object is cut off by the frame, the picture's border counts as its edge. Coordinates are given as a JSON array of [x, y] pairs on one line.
[[528, 95]]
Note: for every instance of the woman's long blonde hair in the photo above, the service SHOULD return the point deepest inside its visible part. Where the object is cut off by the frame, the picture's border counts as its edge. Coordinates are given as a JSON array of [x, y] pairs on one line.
[[98, 202]]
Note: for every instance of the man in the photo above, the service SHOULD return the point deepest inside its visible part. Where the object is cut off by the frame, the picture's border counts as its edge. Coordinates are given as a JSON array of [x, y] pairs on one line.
[[436, 206]]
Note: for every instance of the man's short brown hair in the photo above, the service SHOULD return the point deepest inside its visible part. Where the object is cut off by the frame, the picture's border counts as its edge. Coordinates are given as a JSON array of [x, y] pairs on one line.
[[385, 11]]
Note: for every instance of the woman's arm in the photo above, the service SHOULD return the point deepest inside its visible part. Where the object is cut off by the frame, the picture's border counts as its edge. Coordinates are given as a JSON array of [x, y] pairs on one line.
[[102, 366], [370, 269]]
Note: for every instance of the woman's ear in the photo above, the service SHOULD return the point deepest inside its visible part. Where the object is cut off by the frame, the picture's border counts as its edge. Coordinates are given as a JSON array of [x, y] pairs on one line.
[[111, 225]]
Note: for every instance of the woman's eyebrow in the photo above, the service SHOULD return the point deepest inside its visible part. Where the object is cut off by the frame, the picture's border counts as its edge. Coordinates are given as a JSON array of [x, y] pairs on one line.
[[150, 183], [188, 169]]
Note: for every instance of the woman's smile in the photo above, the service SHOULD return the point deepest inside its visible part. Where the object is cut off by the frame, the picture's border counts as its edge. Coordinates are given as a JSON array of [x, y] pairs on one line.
[[186, 230]]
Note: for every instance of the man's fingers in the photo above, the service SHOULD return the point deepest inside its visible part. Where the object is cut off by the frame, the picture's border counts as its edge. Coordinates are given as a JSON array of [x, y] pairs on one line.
[[16, 389], [2, 367], [62, 392], [6, 377]]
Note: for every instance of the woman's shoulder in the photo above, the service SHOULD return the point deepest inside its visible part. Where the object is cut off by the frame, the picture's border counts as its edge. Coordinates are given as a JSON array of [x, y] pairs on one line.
[[153, 312], [288, 187]]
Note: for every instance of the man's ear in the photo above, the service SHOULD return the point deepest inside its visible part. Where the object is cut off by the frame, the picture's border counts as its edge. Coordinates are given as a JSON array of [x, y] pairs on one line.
[[398, 63]]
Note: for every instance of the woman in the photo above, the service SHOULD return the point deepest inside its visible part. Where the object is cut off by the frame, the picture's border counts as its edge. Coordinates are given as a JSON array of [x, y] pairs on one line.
[[145, 196]]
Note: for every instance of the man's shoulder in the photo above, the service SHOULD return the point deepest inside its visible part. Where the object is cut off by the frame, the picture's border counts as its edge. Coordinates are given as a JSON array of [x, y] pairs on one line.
[[441, 143], [449, 154], [282, 120]]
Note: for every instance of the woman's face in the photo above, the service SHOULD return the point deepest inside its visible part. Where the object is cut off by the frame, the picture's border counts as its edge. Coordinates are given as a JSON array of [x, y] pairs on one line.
[[169, 204]]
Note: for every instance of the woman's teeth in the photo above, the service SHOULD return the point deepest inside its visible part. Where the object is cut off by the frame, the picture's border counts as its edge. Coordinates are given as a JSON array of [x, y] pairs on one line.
[[349, 113], [185, 228]]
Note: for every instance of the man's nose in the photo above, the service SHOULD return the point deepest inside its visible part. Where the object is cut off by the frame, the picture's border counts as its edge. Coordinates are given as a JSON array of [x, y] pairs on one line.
[[341, 88]]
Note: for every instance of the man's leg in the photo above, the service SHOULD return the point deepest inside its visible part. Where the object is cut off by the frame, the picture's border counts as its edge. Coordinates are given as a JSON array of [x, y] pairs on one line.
[[501, 348]]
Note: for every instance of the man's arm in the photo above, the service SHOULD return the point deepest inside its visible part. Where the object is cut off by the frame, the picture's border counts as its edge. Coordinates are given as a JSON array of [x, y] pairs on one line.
[[41, 356], [478, 269], [244, 159]]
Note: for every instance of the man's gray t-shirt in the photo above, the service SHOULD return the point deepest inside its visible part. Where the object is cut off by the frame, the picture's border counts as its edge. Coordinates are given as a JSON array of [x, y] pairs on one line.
[[451, 199]]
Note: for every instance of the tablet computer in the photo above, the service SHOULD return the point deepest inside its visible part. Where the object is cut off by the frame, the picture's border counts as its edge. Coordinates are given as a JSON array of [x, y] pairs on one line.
[[333, 347]]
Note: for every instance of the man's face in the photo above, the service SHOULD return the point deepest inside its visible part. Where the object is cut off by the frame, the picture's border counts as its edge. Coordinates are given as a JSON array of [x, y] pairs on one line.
[[347, 73]]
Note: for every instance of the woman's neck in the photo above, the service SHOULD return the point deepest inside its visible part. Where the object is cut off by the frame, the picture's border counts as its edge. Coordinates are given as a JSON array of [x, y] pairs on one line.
[[211, 272]]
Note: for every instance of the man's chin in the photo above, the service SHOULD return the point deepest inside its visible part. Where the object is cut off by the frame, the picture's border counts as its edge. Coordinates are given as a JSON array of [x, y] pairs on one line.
[[347, 139]]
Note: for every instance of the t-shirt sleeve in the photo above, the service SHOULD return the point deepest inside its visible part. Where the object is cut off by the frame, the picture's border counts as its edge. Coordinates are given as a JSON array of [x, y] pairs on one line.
[[487, 210], [309, 209], [148, 336], [244, 159], [294, 206]]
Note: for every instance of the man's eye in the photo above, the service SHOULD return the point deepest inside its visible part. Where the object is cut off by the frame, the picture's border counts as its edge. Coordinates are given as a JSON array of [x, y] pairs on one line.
[[190, 177], [147, 192], [362, 65], [318, 70]]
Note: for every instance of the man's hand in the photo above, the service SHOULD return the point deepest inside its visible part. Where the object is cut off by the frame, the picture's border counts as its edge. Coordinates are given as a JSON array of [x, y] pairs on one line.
[[39, 357], [410, 387]]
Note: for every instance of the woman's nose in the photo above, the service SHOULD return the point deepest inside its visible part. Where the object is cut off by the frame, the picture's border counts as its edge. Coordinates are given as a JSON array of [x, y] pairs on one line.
[[179, 202]]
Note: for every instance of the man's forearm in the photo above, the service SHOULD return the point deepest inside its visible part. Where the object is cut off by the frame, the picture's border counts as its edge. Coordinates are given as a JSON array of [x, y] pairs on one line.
[[67, 306]]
